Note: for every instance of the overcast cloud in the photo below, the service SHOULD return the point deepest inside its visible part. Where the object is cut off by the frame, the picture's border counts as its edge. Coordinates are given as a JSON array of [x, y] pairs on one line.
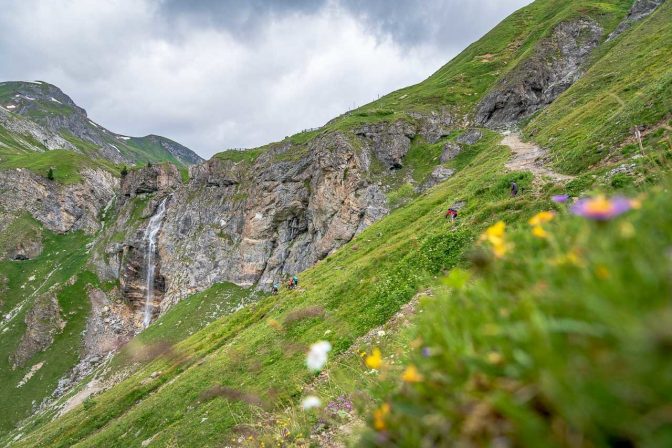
[[233, 73]]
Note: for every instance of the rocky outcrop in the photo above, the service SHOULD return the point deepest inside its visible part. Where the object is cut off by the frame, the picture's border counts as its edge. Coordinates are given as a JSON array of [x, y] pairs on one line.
[[29, 133], [58, 207], [26, 249], [556, 63], [450, 151], [110, 325], [150, 179], [389, 142], [470, 137], [640, 10], [254, 222], [43, 322], [434, 126], [440, 174]]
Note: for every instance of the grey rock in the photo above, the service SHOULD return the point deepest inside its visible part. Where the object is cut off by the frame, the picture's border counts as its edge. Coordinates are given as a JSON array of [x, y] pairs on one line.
[[450, 151], [640, 10], [555, 64], [439, 175], [26, 250], [470, 137], [435, 126], [150, 180], [43, 322], [58, 207], [390, 142]]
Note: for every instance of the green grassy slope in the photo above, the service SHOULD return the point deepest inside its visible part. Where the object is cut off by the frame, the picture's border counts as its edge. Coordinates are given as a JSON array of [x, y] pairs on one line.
[[63, 257], [629, 86], [561, 343]]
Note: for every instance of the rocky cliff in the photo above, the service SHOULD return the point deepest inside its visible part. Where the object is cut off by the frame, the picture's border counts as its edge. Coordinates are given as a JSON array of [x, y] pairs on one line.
[[555, 64]]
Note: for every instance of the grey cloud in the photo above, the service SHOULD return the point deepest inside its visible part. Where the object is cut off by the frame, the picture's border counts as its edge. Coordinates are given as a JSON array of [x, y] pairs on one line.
[[234, 73]]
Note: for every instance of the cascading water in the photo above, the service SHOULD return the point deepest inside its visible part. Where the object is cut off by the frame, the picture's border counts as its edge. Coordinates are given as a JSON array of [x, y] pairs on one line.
[[151, 233]]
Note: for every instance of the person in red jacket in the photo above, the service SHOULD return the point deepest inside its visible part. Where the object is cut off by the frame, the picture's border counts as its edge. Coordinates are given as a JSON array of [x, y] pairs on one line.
[[452, 214]]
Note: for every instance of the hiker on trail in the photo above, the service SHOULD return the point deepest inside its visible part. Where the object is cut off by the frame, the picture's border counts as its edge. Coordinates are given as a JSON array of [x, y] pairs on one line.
[[452, 214], [514, 189], [295, 279], [290, 283], [276, 288]]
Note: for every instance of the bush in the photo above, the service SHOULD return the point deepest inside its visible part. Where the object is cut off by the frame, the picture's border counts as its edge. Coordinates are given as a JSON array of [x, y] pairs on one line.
[[50, 174]]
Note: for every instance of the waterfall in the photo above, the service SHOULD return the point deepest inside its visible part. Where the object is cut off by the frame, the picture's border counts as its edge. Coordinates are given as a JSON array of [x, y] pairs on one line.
[[151, 232]]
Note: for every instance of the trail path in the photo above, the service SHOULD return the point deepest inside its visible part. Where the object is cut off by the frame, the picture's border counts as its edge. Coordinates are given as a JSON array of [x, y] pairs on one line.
[[528, 157]]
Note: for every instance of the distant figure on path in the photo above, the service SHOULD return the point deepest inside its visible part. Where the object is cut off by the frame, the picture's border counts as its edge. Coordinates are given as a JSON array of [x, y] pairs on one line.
[[514, 189], [452, 214], [295, 279], [276, 288]]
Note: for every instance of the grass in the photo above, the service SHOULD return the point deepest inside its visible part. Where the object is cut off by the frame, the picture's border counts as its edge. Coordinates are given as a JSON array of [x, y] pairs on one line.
[[630, 85], [560, 343], [63, 257]]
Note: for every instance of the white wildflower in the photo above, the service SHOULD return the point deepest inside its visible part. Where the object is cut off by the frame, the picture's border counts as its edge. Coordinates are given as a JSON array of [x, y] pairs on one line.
[[311, 402], [317, 356]]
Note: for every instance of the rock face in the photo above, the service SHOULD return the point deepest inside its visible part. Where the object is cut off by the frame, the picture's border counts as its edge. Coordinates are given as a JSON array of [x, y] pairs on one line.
[[553, 67], [253, 228], [450, 151], [640, 10], [389, 142], [439, 175], [471, 137], [29, 132], [151, 179], [43, 322], [26, 249], [58, 207]]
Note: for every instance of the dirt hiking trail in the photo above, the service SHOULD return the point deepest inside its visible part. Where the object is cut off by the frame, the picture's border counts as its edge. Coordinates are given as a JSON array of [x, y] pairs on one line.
[[529, 157]]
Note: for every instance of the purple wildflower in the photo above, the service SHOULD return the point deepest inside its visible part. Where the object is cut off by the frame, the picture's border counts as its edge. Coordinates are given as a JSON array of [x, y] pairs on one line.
[[560, 198], [601, 208]]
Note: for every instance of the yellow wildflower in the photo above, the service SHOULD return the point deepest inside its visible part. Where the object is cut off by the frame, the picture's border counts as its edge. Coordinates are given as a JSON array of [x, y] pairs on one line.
[[495, 236], [379, 416], [495, 233], [539, 232], [411, 375], [374, 360], [541, 218]]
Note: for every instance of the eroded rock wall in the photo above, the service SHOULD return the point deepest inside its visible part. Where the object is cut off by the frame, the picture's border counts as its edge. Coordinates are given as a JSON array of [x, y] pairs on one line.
[[556, 63]]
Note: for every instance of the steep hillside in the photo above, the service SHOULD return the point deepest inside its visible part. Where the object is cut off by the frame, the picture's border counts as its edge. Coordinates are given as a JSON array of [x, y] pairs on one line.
[[53, 121], [357, 207]]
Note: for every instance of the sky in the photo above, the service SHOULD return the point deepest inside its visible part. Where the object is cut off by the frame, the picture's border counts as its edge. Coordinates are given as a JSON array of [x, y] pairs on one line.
[[219, 74]]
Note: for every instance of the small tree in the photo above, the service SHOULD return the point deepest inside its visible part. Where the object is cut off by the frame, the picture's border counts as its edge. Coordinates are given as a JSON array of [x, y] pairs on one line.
[[50, 174], [124, 171], [149, 164]]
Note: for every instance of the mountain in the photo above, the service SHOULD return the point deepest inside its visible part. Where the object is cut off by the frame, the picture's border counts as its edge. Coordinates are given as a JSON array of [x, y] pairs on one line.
[[51, 120], [137, 310]]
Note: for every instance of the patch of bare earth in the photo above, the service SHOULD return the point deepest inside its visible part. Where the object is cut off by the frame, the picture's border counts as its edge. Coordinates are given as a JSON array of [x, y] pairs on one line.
[[530, 157]]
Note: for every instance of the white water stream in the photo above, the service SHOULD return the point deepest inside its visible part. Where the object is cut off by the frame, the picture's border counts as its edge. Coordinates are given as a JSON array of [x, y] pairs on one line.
[[151, 233]]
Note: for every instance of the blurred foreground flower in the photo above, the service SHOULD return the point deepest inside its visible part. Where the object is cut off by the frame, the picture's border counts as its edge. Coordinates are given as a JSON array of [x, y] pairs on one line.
[[560, 198], [411, 375], [311, 402], [374, 360], [601, 208], [495, 236], [541, 218], [379, 416], [317, 356]]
